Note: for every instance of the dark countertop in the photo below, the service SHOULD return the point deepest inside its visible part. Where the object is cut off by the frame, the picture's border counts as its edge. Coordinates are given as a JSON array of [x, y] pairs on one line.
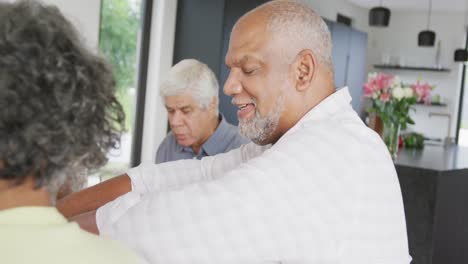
[[436, 158], [434, 186]]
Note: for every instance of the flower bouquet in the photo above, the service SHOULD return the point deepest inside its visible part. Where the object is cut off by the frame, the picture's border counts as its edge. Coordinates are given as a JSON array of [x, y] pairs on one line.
[[391, 102]]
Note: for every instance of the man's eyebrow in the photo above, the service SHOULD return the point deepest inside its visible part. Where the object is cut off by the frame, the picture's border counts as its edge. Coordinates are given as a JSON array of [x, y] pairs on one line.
[[181, 108], [243, 60], [235, 62]]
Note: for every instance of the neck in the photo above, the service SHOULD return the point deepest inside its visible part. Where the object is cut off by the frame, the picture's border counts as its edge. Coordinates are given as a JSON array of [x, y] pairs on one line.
[[318, 95], [215, 121], [22, 195], [307, 102]]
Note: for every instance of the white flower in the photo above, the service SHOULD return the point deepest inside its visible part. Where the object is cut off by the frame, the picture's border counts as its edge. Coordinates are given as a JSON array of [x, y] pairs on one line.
[[408, 92], [396, 82], [371, 76], [398, 93]]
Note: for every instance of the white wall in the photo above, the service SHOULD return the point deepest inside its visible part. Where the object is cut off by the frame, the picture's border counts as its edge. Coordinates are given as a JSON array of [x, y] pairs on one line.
[[330, 8], [399, 40], [85, 16]]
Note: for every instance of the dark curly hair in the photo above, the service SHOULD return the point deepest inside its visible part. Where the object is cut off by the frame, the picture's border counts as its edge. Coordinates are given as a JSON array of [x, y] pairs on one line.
[[57, 105]]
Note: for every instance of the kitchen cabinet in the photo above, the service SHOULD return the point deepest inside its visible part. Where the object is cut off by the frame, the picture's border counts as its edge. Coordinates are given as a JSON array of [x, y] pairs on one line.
[[349, 55], [434, 184]]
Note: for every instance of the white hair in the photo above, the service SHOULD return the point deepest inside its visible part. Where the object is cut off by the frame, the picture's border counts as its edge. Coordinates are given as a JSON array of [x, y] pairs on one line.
[[299, 27], [191, 76]]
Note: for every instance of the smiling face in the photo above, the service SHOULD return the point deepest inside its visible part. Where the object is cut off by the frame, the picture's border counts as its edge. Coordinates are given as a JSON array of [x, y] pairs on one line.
[[258, 80], [190, 123]]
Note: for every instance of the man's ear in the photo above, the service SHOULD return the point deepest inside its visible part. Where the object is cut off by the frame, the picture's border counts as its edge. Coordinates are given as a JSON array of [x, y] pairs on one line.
[[214, 104], [305, 68]]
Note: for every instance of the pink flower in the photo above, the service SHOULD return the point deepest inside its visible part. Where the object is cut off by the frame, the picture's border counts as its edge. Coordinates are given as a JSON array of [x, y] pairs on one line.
[[385, 97], [368, 90], [384, 81], [377, 84], [422, 91]]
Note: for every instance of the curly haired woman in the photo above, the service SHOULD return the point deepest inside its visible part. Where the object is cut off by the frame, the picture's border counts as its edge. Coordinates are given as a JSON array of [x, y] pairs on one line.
[[58, 117]]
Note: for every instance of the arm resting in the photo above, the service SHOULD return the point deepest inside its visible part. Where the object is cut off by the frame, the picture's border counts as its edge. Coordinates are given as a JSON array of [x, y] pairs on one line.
[[92, 198], [87, 222]]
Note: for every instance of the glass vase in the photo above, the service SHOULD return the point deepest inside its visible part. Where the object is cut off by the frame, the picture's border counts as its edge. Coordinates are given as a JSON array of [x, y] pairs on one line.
[[391, 135]]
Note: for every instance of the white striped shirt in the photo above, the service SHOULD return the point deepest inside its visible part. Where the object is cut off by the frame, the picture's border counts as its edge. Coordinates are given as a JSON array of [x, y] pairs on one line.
[[326, 192]]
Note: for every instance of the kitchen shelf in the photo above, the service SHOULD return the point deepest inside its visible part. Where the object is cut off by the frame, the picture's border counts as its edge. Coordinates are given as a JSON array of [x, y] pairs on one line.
[[410, 68], [433, 104]]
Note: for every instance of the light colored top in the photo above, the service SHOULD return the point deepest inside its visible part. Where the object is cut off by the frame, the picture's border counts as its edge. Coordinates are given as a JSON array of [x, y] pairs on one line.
[[225, 138], [41, 235], [326, 193]]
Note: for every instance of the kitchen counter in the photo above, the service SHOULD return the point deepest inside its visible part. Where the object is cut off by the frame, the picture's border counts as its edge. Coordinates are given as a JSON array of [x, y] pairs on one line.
[[436, 158], [434, 184]]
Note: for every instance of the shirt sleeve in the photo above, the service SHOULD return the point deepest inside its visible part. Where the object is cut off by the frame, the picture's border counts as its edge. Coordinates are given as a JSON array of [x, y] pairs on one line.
[[255, 211], [149, 177], [155, 178]]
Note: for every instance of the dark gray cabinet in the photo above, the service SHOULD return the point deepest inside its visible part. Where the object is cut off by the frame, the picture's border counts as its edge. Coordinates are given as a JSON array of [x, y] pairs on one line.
[[233, 10], [199, 29], [203, 28], [434, 185], [349, 57]]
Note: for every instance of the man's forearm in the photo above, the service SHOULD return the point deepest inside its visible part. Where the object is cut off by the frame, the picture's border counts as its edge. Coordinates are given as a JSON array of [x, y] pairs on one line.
[[87, 222], [94, 197]]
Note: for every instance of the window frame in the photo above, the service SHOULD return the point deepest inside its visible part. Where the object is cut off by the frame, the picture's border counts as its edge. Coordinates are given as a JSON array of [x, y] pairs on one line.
[[461, 98]]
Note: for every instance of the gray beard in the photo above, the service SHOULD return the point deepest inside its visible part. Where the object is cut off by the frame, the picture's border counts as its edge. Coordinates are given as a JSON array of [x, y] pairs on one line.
[[260, 129]]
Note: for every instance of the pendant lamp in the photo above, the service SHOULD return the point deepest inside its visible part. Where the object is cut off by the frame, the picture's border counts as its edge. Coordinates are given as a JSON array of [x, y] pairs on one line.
[[379, 16], [461, 55], [426, 38]]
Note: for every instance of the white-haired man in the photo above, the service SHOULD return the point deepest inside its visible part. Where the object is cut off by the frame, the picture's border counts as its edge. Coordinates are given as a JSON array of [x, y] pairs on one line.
[[320, 188], [190, 93]]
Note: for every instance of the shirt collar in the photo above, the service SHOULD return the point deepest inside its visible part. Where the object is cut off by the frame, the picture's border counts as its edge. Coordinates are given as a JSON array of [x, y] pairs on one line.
[[215, 142], [326, 108], [181, 148], [31, 215]]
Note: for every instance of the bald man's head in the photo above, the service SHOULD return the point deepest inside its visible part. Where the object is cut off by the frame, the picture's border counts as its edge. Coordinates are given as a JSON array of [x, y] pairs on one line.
[[279, 58], [297, 27]]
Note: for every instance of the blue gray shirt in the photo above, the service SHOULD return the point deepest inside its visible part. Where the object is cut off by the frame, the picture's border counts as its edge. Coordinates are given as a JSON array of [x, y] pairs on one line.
[[225, 138]]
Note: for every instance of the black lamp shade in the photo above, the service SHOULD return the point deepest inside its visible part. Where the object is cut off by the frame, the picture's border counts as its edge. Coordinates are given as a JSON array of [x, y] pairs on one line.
[[379, 16], [426, 38], [460, 55]]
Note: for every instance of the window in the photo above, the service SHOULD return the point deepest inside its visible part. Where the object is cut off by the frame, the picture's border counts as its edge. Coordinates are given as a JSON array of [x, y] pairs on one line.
[[120, 30], [462, 125]]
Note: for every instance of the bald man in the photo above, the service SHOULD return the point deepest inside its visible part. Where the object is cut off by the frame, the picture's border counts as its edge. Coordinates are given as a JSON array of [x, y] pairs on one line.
[[318, 186]]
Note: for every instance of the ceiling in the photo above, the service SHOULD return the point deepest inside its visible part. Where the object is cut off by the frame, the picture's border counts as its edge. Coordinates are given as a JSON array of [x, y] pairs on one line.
[[420, 5]]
